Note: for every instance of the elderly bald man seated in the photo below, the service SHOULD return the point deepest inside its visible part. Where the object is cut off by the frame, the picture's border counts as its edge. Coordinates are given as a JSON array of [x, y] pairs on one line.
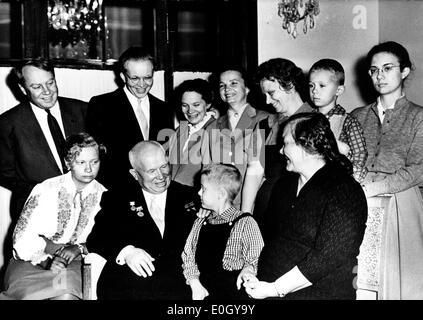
[[141, 231]]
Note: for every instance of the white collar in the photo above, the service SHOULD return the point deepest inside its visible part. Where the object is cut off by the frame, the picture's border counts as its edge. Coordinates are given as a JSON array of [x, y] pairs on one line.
[[133, 99], [55, 109], [161, 197], [198, 126], [232, 112]]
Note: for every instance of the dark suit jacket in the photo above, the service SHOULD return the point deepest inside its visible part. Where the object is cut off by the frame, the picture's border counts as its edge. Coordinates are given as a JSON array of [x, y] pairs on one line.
[[112, 121], [25, 157], [117, 226]]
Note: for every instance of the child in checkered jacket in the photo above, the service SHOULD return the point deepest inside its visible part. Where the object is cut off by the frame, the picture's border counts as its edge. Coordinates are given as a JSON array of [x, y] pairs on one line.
[[326, 83]]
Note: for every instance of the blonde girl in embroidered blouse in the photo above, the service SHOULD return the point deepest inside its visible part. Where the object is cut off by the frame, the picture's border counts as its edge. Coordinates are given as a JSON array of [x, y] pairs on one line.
[[57, 218]]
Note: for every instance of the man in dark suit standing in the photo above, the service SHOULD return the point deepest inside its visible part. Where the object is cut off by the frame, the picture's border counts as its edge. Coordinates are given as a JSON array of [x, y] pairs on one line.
[[141, 231], [128, 115], [32, 132]]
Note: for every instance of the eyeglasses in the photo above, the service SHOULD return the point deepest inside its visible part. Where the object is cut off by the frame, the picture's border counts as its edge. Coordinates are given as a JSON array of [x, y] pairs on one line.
[[385, 69], [135, 80]]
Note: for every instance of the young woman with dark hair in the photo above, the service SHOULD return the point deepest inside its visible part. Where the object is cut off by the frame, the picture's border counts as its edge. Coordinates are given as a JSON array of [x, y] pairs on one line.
[[393, 129]]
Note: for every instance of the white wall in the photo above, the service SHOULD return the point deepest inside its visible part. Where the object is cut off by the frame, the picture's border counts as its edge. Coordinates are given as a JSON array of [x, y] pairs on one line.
[[345, 30], [402, 21], [339, 33]]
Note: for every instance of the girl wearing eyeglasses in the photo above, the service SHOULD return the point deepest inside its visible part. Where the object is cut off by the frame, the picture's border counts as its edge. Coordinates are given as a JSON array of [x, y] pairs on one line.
[[393, 128]]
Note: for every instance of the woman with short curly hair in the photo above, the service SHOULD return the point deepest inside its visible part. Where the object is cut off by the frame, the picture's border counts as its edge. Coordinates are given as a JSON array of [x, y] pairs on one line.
[[286, 88]]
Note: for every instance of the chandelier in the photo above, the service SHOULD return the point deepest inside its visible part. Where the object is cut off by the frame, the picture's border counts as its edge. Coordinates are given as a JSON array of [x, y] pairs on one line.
[[76, 24], [292, 11]]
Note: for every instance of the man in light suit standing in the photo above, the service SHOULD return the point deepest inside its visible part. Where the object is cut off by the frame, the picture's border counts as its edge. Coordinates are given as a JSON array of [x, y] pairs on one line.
[[128, 115], [141, 231], [32, 132]]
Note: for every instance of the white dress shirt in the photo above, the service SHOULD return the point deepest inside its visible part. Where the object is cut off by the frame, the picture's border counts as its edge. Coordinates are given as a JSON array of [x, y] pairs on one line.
[[157, 211], [145, 108], [41, 116], [234, 116]]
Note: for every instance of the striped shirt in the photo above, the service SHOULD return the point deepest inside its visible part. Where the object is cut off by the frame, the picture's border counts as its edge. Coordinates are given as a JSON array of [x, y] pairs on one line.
[[242, 249], [352, 134]]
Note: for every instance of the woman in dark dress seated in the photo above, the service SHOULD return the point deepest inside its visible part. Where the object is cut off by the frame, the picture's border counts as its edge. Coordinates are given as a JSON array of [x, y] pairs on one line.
[[315, 221]]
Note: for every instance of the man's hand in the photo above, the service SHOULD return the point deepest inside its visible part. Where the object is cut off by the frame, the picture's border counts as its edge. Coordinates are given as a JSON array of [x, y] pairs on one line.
[[140, 262], [198, 290], [58, 264], [260, 289]]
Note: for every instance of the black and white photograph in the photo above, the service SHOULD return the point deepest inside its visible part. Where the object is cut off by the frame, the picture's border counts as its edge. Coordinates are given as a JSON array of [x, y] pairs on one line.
[[211, 159]]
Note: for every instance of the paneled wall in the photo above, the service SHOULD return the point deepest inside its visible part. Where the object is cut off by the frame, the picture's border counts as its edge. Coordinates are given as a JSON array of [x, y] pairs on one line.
[[76, 83]]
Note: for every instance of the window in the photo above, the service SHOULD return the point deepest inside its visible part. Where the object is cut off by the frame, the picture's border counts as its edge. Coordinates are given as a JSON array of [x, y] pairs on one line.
[[202, 34], [5, 30], [97, 29], [128, 25], [76, 29], [184, 35], [192, 29], [10, 30]]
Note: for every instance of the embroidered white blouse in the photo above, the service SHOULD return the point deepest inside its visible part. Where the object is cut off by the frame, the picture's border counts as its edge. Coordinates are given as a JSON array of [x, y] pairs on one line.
[[56, 211]]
